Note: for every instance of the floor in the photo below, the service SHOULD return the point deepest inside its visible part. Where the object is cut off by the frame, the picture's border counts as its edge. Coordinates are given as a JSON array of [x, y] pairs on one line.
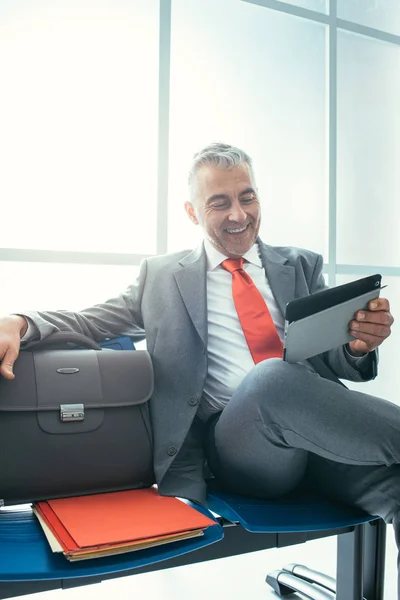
[[236, 578]]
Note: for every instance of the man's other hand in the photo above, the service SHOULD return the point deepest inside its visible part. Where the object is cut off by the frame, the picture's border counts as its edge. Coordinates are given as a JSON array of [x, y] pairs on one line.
[[12, 328], [370, 327]]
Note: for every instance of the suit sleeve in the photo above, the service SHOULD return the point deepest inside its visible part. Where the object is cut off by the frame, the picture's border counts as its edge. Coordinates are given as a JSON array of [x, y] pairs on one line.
[[339, 360], [121, 315]]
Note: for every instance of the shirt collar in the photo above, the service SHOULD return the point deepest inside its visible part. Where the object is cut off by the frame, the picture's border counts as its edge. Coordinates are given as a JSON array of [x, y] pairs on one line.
[[215, 257]]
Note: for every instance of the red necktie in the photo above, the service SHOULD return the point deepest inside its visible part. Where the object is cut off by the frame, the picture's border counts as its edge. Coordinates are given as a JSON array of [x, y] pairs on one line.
[[256, 321]]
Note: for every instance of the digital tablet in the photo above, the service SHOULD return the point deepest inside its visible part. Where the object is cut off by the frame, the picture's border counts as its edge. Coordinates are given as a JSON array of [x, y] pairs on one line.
[[320, 322]]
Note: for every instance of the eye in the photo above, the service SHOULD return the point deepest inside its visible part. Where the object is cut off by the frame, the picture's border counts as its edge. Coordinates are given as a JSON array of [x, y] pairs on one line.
[[219, 205], [248, 199]]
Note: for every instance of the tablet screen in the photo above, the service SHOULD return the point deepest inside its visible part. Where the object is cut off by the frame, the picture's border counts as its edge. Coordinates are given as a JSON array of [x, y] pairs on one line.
[[309, 305]]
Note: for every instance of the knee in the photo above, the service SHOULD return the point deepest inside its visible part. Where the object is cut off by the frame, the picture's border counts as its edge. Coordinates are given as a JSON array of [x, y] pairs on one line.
[[272, 375], [275, 367], [273, 379]]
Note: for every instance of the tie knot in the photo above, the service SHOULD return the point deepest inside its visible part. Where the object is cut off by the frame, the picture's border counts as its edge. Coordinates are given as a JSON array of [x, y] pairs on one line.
[[232, 264]]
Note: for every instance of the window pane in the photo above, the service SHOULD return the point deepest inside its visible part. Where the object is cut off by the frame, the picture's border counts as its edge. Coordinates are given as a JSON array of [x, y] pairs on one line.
[[379, 14], [319, 5], [258, 84], [78, 122], [385, 385], [368, 207], [46, 286]]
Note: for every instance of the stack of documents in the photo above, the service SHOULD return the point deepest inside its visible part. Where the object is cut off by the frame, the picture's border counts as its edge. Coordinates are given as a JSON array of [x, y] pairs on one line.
[[113, 523]]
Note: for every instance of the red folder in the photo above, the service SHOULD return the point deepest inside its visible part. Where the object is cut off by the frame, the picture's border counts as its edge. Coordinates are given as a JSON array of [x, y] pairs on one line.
[[118, 517]]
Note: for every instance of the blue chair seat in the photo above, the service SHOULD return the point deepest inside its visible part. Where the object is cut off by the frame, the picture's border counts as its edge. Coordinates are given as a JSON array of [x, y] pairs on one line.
[[25, 554], [119, 343], [294, 512]]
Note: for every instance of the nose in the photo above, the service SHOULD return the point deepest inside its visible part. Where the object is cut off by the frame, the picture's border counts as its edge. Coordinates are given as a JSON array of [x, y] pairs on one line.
[[237, 213]]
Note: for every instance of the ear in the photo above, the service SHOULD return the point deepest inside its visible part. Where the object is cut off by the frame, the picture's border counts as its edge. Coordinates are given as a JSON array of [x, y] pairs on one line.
[[191, 212]]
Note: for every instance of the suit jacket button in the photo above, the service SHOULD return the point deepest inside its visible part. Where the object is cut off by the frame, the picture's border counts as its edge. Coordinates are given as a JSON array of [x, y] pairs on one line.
[[193, 401], [172, 451]]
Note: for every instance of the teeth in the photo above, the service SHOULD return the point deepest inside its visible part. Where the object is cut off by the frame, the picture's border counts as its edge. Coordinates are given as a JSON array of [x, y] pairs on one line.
[[236, 230]]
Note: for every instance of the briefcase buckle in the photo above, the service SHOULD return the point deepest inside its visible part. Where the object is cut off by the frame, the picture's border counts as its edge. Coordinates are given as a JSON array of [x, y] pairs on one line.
[[72, 412]]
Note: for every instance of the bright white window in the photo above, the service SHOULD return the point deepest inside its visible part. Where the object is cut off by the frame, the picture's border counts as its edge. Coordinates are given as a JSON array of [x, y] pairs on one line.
[[378, 14], [47, 286], [368, 202], [78, 123], [255, 80]]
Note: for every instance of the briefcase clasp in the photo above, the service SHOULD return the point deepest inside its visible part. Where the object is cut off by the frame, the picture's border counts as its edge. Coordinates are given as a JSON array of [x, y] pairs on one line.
[[72, 412]]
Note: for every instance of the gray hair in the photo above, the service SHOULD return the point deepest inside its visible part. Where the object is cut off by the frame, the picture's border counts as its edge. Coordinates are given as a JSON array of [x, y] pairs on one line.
[[220, 155]]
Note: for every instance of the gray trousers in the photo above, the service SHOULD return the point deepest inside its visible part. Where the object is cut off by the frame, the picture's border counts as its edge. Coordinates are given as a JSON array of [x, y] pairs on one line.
[[285, 425]]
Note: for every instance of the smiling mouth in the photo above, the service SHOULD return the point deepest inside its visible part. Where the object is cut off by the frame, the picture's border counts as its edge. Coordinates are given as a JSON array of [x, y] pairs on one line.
[[238, 230]]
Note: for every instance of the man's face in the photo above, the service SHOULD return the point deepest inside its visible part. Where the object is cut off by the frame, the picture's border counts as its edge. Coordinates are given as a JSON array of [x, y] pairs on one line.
[[227, 208]]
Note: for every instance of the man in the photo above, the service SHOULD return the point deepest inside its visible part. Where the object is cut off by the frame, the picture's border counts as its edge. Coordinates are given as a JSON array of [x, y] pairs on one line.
[[221, 392]]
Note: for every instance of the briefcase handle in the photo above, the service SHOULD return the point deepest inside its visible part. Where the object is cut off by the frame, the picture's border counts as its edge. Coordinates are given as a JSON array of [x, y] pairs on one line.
[[62, 338]]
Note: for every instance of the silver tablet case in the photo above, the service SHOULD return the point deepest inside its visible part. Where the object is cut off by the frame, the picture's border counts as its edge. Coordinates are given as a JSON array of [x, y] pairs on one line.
[[323, 330]]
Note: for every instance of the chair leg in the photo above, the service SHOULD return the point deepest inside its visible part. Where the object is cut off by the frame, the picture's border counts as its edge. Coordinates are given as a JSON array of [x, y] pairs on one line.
[[284, 584], [359, 573], [273, 579], [361, 562], [374, 559], [349, 565], [312, 576]]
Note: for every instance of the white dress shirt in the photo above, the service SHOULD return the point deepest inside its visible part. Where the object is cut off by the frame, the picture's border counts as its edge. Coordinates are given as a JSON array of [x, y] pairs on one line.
[[229, 358]]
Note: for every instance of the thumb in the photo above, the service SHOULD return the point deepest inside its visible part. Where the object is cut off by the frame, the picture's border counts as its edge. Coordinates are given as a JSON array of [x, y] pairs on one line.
[[6, 368], [358, 346]]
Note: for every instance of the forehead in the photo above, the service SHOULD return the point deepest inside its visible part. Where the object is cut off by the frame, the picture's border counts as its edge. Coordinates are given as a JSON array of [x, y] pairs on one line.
[[215, 180]]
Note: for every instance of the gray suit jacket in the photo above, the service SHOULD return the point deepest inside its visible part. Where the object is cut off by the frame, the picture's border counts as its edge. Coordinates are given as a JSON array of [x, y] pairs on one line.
[[167, 305]]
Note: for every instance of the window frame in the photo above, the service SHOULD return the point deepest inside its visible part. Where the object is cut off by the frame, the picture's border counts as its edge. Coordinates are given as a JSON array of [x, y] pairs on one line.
[[331, 267]]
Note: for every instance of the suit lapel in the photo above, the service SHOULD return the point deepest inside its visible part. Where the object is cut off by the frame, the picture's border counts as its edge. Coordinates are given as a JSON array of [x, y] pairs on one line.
[[191, 281], [281, 277]]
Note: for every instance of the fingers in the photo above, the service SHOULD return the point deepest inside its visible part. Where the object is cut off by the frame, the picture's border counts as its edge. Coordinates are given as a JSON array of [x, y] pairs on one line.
[[372, 326], [371, 341], [6, 366], [379, 304], [379, 329], [381, 317]]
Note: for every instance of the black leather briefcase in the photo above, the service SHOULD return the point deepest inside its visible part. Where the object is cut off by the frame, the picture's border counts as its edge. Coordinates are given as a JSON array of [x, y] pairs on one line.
[[75, 421]]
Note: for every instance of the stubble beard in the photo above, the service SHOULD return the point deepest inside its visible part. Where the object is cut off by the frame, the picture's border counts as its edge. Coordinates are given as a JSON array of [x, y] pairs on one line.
[[232, 249]]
